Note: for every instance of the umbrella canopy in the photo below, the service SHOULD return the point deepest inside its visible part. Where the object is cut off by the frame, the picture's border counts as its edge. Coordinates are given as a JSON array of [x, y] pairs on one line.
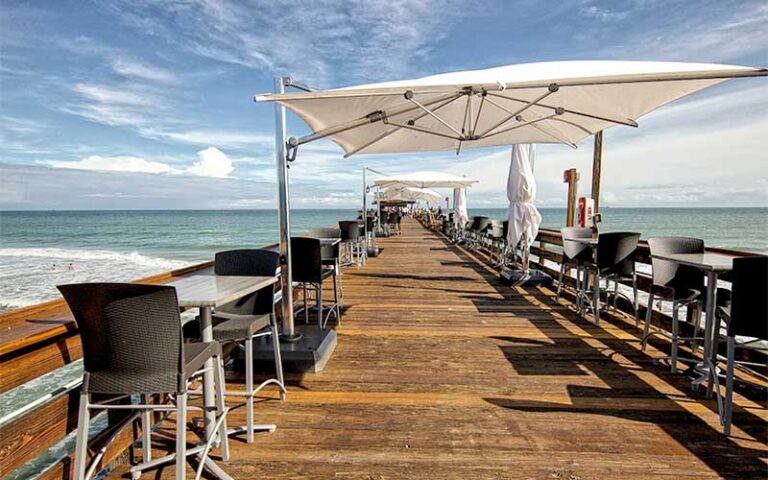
[[460, 214], [426, 180], [524, 218], [551, 102], [409, 194]]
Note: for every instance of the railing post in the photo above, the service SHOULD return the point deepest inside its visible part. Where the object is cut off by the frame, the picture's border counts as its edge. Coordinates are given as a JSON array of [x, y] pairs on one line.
[[571, 177]]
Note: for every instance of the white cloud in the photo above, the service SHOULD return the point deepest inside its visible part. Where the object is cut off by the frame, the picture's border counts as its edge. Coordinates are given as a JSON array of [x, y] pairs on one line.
[[108, 94], [114, 164], [720, 33], [212, 163], [373, 39], [223, 138], [143, 71]]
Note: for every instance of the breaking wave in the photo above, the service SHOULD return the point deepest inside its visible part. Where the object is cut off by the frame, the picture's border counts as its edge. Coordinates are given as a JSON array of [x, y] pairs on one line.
[[30, 275]]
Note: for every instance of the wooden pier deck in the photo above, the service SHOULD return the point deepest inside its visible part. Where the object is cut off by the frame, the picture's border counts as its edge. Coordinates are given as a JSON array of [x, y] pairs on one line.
[[443, 372]]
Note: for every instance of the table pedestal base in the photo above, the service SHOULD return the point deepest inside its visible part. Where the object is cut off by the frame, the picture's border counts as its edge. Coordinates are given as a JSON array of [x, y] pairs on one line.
[[310, 353]]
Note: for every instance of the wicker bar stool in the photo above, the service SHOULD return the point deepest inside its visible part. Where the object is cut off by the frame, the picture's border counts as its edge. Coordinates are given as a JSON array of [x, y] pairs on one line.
[[249, 318], [133, 345]]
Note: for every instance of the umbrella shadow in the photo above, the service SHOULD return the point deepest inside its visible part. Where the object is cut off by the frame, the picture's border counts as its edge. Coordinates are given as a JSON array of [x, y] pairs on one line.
[[561, 353]]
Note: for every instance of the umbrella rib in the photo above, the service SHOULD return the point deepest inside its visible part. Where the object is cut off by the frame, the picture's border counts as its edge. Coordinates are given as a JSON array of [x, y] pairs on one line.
[[518, 112], [423, 130], [393, 130], [479, 109], [467, 114], [525, 124], [373, 117], [574, 124], [433, 115], [564, 137], [560, 135], [628, 122]]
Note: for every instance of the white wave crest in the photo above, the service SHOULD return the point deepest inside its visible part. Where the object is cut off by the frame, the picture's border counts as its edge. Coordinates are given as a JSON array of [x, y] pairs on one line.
[[30, 275]]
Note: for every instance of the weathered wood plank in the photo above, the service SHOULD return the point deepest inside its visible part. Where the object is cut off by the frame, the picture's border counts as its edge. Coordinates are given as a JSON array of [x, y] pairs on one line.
[[443, 372]]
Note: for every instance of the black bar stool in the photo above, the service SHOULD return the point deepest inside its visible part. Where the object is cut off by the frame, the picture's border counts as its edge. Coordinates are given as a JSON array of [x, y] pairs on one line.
[[133, 345], [307, 269]]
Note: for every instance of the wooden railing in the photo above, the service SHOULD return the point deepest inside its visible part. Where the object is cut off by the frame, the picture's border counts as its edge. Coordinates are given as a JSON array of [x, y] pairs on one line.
[[549, 244], [38, 340]]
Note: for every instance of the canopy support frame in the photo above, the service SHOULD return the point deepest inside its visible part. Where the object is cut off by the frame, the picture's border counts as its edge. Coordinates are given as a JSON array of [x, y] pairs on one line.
[[552, 89], [396, 129], [628, 122], [561, 137]]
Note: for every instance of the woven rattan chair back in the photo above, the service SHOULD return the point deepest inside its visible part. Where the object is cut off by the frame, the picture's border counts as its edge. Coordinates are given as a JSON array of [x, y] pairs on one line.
[[131, 337], [252, 263]]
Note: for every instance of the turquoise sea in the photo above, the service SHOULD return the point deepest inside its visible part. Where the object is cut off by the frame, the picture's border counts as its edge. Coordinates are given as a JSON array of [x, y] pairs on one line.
[[40, 249]]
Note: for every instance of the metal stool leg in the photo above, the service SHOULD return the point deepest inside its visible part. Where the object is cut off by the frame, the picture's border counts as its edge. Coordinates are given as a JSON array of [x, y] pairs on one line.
[[278, 357], [218, 378], [146, 431], [81, 443], [675, 336], [249, 389], [596, 298], [181, 436], [647, 326], [320, 305]]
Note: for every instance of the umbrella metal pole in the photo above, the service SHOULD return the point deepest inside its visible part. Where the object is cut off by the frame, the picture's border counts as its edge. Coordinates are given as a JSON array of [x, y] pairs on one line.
[[284, 216]]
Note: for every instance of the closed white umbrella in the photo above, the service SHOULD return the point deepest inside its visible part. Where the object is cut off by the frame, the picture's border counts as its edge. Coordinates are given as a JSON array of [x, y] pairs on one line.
[[524, 218], [460, 215]]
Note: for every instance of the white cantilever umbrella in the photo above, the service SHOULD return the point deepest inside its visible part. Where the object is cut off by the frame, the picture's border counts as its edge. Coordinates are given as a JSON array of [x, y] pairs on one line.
[[425, 180], [551, 102], [410, 194], [524, 218]]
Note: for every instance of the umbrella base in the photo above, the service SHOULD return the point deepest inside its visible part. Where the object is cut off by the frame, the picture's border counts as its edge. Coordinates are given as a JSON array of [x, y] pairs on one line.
[[520, 278]]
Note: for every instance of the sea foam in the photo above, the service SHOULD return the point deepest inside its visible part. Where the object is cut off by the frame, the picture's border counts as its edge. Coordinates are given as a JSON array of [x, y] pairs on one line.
[[28, 275]]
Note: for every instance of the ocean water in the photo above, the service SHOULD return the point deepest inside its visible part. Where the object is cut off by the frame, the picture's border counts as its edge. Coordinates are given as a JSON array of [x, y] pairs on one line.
[[37, 248]]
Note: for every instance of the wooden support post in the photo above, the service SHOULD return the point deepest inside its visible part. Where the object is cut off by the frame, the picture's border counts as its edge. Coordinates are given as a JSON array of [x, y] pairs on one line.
[[597, 161], [571, 177]]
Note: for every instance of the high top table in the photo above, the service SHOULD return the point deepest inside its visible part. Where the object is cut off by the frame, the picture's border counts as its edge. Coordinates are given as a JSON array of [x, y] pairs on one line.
[[712, 264], [207, 292]]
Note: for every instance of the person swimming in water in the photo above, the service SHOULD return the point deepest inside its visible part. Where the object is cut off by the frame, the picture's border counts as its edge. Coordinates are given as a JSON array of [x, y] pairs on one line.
[[71, 267], [54, 268]]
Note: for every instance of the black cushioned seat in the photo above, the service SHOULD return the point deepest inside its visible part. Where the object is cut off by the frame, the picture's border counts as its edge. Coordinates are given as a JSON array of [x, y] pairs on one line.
[[233, 326]]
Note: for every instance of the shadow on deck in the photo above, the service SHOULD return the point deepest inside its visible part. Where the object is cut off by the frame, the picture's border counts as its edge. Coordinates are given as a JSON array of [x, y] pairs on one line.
[[443, 372]]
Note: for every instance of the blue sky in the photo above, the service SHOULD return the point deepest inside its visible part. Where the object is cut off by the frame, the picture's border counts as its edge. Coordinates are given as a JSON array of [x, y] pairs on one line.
[[147, 104]]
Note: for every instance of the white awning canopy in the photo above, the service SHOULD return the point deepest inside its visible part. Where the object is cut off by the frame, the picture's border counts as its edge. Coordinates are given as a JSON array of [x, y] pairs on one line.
[[397, 193], [551, 102], [425, 180]]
